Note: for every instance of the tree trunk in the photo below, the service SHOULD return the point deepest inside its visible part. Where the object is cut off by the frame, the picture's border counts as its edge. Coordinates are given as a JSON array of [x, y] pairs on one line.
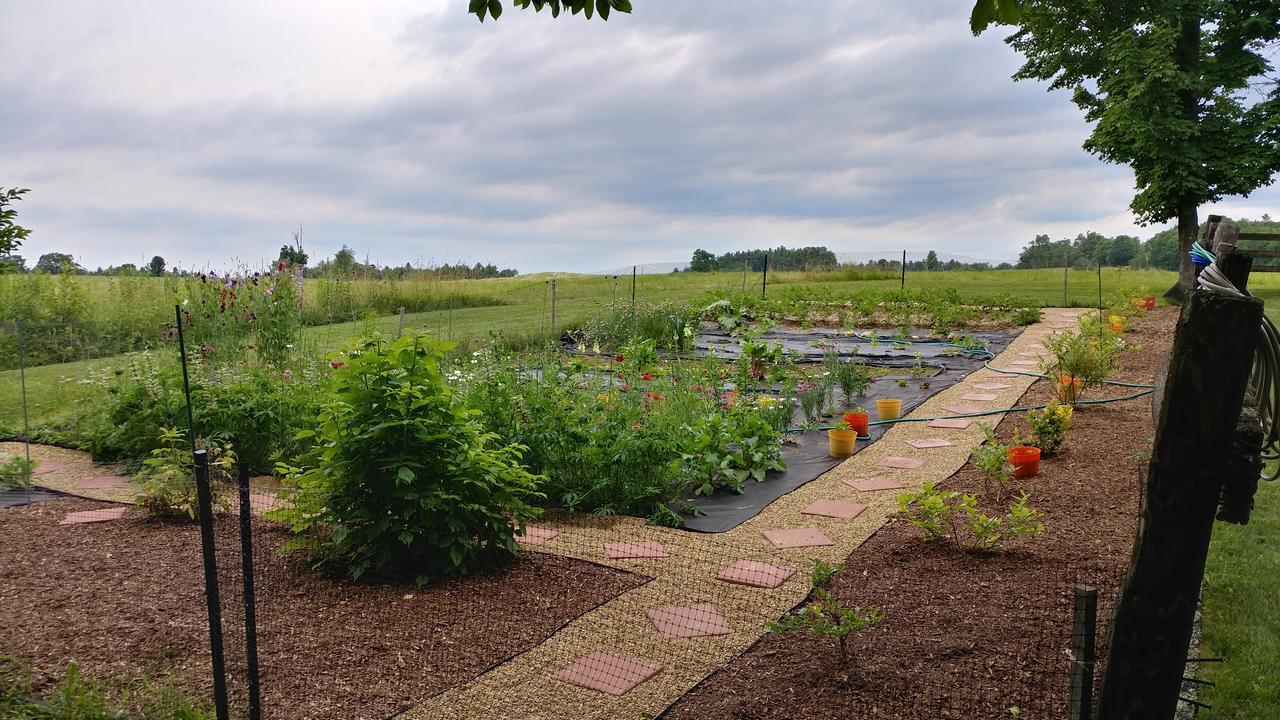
[[1188, 230]]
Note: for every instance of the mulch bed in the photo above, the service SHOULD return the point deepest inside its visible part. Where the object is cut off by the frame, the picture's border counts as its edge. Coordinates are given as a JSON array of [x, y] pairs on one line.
[[125, 599], [967, 635]]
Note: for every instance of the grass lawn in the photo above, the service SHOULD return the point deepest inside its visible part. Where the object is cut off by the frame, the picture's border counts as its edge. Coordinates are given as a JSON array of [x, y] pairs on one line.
[[1242, 615]]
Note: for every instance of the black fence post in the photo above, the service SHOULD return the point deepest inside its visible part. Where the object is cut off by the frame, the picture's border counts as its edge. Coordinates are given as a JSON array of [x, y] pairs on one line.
[[903, 286], [633, 290], [250, 601], [764, 279], [204, 498], [1084, 629], [22, 379]]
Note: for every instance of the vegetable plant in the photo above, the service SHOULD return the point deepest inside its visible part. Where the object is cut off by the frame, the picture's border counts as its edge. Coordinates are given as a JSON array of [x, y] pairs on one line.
[[15, 472]]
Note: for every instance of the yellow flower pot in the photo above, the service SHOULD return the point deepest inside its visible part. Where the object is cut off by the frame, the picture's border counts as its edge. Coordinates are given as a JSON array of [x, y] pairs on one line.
[[889, 409], [841, 443]]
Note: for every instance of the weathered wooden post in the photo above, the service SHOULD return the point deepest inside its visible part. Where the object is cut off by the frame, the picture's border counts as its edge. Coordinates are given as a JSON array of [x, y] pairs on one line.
[[1209, 369], [1084, 631]]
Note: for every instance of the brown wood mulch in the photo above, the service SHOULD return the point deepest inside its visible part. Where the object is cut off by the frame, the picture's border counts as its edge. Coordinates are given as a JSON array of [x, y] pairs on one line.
[[124, 599], [970, 636]]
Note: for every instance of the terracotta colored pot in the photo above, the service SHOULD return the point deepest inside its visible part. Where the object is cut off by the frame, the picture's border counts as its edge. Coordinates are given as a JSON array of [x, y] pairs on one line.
[[841, 443], [1149, 302], [1069, 388], [859, 422], [1025, 461], [889, 408]]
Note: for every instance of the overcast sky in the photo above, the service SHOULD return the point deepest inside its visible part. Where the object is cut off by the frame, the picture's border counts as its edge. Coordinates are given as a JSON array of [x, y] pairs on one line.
[[413, 133]]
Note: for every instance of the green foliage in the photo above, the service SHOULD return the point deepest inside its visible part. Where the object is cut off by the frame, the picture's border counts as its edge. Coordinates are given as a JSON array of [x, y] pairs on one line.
[[15, 472], [11, 233], [669, 325], [725, 450], [852, 378], [76, 697], [992, 458], [168, 478], [950, 515], [1088, 352], [493, 8], [824, 615], [1049, 427], [403, 479]]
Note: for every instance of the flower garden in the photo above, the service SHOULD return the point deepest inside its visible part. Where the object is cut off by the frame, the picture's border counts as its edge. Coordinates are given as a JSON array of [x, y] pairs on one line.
[[639, 502]]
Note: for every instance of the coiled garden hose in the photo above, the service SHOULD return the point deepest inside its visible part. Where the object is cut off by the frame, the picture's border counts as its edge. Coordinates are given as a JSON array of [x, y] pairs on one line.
[[1266, 362]]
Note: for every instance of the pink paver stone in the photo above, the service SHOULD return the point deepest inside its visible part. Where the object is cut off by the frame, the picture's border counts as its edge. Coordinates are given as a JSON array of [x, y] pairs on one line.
[[979, 397], [754, 573], [992, 386], [534, 535], [1033, 353], [645, 549], [834, 509], [101, 482], [1024, 363], [951, 423], [926, 443], [92, 516], [49, 467], [873, 484], [901, 463], [608, 673], [686, 622], [957, 409], [797, 538]]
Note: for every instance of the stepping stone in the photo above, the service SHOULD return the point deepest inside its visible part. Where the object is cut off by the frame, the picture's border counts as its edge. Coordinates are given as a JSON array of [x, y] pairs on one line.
[[1025, 363], [834, 509], [926, 443], [957, 409], [49, 467], [265, 501], [754, 573], [102, 482], [534, 535], [979, 397], [873, 484], [992, 386], [607, 673], [686, 622], [627, 550], [92, 516], [901, 463], [796, 538], [951, 423], [1034, 353]]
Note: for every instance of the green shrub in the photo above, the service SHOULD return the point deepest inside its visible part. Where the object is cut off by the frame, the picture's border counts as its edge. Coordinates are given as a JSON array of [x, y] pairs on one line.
[[1088, 353], [168, 478], [992, 458], [15, 472], [950, 515], [726, 450], [1049, 427], [403, 479], [825, 615]]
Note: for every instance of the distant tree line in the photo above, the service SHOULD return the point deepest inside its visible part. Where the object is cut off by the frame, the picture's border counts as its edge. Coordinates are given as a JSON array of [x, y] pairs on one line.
[[1091, 249], [780, 258], [343, 264]]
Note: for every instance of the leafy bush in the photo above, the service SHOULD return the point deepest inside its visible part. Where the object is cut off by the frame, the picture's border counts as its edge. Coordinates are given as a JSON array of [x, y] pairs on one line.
[[403, 479], [1049, 427], [168, 478], [15, 472], [950, 515], [825, 615], [992, 458], [725, 450], [1088, 353]]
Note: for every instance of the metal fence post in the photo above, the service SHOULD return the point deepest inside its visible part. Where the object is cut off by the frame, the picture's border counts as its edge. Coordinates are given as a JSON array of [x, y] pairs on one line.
[[904, 271], [1084, 629], [764, 279], [204, 498], [250, 601]]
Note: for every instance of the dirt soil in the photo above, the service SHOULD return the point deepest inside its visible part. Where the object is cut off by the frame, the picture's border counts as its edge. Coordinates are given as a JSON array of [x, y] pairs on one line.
[[970, 635], [124, 599]]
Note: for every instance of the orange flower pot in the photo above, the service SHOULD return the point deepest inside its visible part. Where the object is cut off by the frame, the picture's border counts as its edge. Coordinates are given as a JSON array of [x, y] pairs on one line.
[[1025, 461], [859, 422], [1069, 388]]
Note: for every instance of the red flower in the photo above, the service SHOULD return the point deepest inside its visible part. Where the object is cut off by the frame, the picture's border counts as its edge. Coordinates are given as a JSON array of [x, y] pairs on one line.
[[619, 357], [647, 376], [336, 364]]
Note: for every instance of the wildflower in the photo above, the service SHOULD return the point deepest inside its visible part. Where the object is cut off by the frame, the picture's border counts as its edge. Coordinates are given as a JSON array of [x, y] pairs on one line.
[[646, 376], [287, 374], [619, 357], [336, 364]]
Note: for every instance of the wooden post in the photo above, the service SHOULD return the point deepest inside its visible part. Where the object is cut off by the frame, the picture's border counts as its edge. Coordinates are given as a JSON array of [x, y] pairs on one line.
[[1084, 631], [1208, 372]]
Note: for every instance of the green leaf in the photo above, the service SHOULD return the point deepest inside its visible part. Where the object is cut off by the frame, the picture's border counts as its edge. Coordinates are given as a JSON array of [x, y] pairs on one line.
[[495, 8]]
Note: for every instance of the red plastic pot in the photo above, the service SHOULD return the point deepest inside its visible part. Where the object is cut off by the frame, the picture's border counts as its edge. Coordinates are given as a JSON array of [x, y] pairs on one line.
[[1149, 302], [859, 421], [1025, 461]]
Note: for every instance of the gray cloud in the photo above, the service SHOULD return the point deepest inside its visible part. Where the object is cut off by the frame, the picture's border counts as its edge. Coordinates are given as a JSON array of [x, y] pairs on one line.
[[413, 133]]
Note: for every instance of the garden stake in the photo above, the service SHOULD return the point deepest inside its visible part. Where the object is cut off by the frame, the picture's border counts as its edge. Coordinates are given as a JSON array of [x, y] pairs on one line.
[[1084, 628], [250, 601], [204, 499], [22, 376], [633, 290], [553, 307], [186, 381]]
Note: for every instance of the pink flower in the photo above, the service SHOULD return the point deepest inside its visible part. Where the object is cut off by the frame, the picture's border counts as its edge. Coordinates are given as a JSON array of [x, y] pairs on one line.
[[336, 364], [647, 376], [287, 374]]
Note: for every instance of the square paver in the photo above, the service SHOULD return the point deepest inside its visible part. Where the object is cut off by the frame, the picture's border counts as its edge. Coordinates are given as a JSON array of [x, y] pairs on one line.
[[49, 467], [901, 463], [992, 386], [754, 573], [629, 550], [958, 409], [1025, 363], [92, 516], [951, 423], [102, 481], [797, 538], [834, 509], [1033, 353], [686, 622], [926, 443], [872, 484], [607, 673], [535, 535], [979, 397]]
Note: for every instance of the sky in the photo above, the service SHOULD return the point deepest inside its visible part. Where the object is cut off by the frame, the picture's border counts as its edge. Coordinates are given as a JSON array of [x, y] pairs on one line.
[[209, 132]]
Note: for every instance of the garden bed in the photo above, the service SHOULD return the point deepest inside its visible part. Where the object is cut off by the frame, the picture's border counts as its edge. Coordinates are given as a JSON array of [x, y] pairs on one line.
[[970, 636], [124, 599]]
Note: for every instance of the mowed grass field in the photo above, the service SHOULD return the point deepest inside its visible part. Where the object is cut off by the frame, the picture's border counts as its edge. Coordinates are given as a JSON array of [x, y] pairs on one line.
[[1242, 587]]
